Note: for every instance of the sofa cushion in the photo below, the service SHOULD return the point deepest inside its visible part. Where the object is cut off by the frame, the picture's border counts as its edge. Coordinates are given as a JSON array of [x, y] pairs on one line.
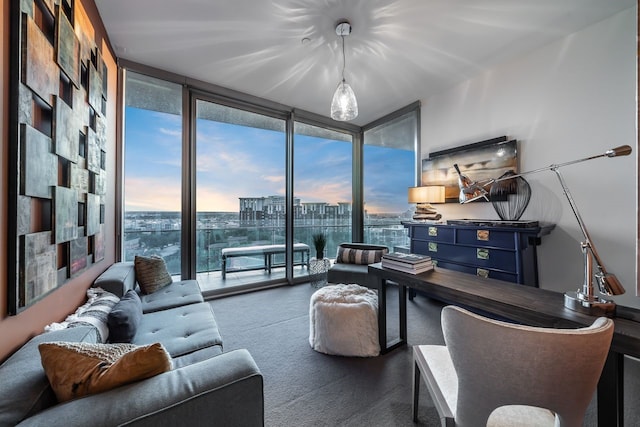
[[24, 389], [124, 318], [359, 256], [197, 356], [151, 273], [174, 295], [359, 269], [78, 369], [120, 278], [182, 330]]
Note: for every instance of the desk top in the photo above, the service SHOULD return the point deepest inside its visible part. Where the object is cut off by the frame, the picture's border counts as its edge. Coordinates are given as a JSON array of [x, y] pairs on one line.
[[519, 303]]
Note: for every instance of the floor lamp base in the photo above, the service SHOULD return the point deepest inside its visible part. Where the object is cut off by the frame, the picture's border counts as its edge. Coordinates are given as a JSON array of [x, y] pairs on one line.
[[595, 306]]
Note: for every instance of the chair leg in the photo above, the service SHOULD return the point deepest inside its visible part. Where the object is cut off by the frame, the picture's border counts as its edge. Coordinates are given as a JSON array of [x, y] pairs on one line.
[[416, 391]]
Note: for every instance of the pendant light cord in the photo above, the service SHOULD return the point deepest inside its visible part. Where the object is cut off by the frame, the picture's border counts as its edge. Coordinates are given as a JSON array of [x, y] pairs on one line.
[[344, 58]]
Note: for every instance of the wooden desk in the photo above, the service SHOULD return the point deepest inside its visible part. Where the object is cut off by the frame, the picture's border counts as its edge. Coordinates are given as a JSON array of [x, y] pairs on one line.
[[521, 304]]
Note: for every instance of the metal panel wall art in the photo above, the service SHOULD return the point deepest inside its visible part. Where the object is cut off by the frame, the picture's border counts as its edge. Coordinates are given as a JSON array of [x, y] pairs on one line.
[[57, 148]]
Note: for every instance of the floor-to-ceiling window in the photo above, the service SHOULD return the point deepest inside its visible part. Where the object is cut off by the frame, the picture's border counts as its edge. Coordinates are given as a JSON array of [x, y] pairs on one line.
[[207, 175], [240, 196], [152, 169], [322, 186], [389, 168]]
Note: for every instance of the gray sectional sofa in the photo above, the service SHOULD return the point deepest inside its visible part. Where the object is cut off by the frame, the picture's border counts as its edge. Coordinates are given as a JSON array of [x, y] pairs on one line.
[[204, 385]]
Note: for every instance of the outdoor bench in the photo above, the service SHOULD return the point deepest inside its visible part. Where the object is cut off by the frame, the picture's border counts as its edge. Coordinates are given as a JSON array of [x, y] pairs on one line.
[[268, 251]]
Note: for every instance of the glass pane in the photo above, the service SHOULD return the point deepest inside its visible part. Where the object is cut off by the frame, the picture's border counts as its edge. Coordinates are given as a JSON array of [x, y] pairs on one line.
[[322, 186], [240, 196], [389, 168], [152, 169]]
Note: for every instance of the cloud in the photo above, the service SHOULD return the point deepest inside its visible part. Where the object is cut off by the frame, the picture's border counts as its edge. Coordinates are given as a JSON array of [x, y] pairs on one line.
[[211, 200], [152, 194], [177, 133], [330, 192], [174, 162], [279, 179], [238, 161], [163, 194]]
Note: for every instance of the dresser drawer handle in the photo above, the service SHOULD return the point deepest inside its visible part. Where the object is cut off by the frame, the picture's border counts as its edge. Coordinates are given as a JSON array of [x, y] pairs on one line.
[[433, 231], [482, 253], [433, 247], [481, 272]]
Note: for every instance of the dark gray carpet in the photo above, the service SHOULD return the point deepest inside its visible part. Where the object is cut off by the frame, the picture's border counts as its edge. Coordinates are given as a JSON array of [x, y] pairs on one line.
[[305, 388]]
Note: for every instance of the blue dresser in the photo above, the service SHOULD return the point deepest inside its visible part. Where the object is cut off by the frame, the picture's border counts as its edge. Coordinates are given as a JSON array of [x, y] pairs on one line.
[[504, 251]]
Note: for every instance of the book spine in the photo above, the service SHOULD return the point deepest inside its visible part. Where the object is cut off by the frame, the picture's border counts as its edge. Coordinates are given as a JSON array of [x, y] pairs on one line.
[[405, 264], [407, 260], [408, 269]]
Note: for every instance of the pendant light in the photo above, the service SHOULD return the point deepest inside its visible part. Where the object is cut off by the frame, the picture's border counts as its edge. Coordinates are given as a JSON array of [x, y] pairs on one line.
[[344, 105]]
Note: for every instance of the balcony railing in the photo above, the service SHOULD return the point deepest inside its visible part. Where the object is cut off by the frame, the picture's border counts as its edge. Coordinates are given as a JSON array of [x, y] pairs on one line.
[[210, 240]]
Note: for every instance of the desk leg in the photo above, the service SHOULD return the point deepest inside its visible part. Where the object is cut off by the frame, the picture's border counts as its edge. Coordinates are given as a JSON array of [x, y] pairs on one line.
[[382, 315], [386, 346], [402, 309], [611, 392]]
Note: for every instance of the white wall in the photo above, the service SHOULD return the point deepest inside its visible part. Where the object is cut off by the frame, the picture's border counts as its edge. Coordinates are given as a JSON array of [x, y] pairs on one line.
[[571, 99]]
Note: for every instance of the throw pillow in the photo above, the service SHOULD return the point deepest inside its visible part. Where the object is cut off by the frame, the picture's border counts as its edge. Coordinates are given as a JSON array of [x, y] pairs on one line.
[[359, 256], [151, 273], [78, 369], [124, 318], [94, 312]]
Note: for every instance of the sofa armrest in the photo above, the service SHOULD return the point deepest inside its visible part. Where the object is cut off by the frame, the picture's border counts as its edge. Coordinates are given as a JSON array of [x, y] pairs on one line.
[[117, 279], [227, 388]]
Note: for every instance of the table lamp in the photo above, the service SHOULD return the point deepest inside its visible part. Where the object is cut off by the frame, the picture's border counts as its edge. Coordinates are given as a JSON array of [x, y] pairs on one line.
[[423, 197], [583, 300]]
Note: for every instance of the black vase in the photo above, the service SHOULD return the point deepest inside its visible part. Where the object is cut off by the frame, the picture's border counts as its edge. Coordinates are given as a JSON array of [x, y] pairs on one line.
[[510, 197]]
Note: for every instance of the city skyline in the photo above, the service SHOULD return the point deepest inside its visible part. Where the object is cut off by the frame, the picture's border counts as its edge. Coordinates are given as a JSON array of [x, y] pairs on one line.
[[237, 161]]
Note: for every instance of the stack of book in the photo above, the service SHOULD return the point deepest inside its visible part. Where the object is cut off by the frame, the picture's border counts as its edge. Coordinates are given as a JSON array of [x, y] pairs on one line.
[[409, 263]]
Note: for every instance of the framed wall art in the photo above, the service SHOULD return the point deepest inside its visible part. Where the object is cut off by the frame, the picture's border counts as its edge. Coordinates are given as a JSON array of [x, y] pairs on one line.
[[479, 161]]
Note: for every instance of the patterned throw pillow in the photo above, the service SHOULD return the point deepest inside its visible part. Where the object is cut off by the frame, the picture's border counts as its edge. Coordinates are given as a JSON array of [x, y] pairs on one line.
[[359, 256], [94, 312], [151, 273], [78, 369]]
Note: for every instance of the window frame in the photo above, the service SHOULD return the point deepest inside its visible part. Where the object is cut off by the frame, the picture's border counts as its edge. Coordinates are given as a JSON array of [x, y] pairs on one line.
[[193, 90]]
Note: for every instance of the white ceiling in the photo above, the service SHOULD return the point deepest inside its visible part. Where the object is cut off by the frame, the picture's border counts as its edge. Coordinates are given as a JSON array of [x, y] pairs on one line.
[[399, 51]]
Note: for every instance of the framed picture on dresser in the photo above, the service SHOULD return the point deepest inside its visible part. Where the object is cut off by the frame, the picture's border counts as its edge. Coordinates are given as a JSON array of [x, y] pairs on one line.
[[480, 160]]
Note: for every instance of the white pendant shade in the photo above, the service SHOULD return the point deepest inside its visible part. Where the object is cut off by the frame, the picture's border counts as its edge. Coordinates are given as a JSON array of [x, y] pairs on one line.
[[344, 105]]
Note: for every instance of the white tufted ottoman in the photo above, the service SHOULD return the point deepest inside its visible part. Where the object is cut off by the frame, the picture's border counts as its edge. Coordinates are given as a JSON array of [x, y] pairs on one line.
[[343, 320]]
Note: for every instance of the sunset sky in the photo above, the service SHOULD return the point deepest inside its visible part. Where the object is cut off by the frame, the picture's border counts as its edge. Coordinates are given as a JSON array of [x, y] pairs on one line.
[[237, 161]]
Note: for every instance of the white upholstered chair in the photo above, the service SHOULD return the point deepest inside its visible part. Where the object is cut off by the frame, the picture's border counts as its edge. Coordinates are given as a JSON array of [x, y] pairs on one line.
[[528, 375]]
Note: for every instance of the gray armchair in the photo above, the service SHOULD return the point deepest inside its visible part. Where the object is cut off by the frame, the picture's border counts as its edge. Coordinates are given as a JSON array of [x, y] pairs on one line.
[[496, 373], [352, 261]]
